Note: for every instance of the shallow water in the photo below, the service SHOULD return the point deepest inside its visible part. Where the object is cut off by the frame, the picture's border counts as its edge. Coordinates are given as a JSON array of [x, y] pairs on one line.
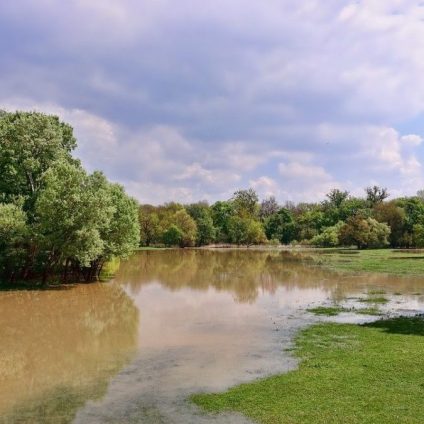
[[172, 323]]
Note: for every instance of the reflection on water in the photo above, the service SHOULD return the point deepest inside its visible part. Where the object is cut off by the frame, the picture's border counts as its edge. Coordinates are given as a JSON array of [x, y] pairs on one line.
[[248, 273], [60, 348], [198, 320]]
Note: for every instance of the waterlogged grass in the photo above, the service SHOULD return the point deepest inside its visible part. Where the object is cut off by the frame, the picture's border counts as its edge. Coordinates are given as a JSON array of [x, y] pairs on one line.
[[347, 374], [332, 311], [378, 299], [372, 310], [379, 260]]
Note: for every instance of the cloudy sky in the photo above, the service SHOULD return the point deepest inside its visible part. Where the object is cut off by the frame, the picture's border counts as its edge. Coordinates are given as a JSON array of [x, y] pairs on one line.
[[188, 100]]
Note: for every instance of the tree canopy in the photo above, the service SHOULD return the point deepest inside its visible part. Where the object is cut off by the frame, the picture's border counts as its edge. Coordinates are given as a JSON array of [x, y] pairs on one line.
[[56, 219]]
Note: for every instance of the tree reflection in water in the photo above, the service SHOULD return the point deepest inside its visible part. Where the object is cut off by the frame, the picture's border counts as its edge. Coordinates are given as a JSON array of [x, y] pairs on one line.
[[60, 348], [247, 272]]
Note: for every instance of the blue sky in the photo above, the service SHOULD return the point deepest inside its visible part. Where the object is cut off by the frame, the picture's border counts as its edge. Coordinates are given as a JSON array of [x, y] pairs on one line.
[[188, 101]]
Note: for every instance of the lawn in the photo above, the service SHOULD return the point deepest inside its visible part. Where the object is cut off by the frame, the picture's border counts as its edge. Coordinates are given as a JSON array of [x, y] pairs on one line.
[[348, 373]]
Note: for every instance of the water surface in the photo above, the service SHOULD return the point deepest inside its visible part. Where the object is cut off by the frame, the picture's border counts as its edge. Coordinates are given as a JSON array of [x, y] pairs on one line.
[[172, 323]]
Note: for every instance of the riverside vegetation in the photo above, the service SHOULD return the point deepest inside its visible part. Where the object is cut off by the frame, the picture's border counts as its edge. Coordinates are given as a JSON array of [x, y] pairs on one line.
[[59, 223], [56, 220]]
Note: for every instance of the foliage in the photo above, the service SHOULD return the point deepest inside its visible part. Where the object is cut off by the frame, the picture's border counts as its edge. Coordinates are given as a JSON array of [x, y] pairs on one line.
[[187, 226], [280, 226], [376, 194], [245, 231], [202, 215], [246, 203], [394, 216], [56, 220], [364, 232], [172, 236], [329, 237], [268, 207]]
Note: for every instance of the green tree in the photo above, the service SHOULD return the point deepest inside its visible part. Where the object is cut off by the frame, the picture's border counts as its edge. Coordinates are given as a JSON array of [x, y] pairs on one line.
[[188, 228], [222, 211], [149, 226], [246, 203], [418, 235], [71, 211], [120, 234], [13, 234], [329, 236], [30, 143], [280, 226], [202, 215], [244, 230], [364, 232], [394, 216], [173, 236]]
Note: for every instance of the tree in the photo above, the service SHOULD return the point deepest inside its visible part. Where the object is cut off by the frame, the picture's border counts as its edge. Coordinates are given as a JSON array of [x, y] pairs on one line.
[[13, 234], [173, 236], [418, 235], [30, 143], [329, 237], [336, 197], [121, 234], [202, 215], [394, 216], [221, 212], [268, 207], [149, 227], [245, 231], [364, 232], [71, 211], [280, 226], [376, 194], [188, 227], [246, 203]]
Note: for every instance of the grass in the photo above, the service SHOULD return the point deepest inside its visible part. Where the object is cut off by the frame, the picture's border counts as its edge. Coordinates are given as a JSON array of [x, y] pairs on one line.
[[381, 300], [332, 311], [347, 374], [378, 260]]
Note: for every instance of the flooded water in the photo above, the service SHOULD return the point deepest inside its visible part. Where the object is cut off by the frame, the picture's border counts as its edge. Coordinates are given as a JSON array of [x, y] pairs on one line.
[[172, 323]]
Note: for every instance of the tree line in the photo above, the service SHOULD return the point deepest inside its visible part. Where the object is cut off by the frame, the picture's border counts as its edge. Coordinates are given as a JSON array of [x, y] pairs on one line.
[[56, 220], [59, 222], [341, 219]]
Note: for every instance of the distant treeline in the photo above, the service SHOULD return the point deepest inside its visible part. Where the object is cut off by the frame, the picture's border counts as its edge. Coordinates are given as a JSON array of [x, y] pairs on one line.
[[339, 220], [57, 222]]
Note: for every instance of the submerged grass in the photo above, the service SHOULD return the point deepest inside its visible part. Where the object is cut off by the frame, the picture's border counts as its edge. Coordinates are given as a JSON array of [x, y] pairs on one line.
[[327, 310], [378, 260], [347, 374], [332, 311], [378, 299]]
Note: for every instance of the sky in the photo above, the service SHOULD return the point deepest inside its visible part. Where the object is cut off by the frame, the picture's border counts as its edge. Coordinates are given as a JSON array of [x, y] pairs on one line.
[[192, 100]]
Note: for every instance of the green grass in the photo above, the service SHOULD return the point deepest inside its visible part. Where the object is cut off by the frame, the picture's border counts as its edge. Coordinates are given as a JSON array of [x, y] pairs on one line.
[[348, 373], [330, 311], [372, 310], [378, 260], [382, 300]]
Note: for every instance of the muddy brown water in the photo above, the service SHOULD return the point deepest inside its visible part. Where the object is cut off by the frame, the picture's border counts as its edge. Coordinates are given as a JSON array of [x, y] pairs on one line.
[[172, 323]]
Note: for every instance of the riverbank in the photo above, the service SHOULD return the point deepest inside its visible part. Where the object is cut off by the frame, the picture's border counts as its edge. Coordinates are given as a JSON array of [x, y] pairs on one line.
[[347, 373]]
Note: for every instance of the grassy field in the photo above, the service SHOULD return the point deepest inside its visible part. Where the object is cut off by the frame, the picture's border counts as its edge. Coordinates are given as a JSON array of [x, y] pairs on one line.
[[401, 262], [348, 373]]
